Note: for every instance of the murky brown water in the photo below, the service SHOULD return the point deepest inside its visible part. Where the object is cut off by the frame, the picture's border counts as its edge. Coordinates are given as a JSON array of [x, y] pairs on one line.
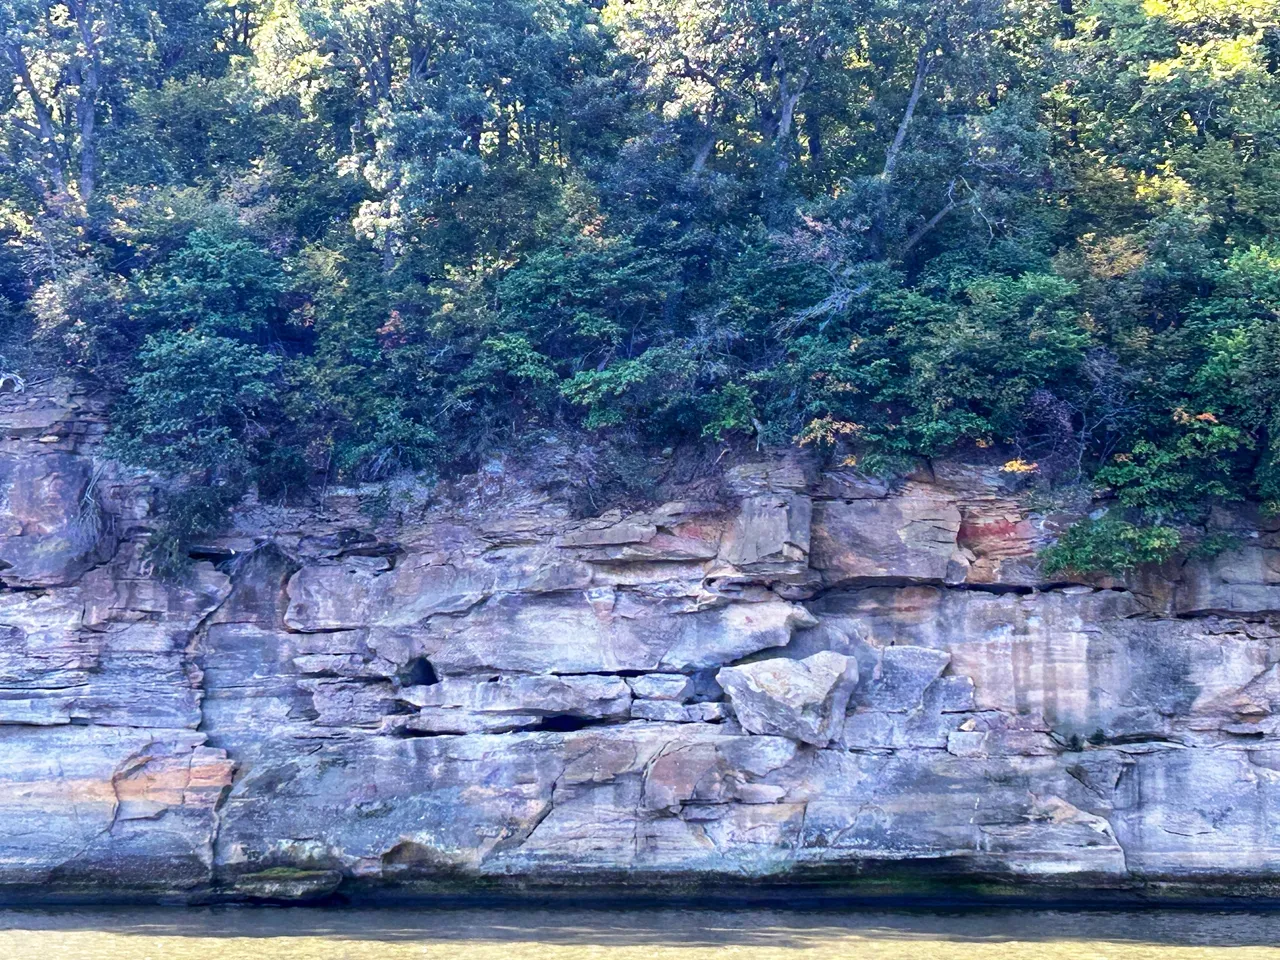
[[530, 934]]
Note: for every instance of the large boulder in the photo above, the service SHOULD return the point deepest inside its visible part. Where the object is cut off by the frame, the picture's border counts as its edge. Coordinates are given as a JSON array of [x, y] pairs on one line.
[[804, 700]]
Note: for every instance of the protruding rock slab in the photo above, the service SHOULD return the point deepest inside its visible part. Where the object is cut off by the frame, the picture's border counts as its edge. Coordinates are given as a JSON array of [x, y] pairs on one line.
[[475, 704], [662, 686], [597, 631], [906, 538], [365, 591], [804, 700]]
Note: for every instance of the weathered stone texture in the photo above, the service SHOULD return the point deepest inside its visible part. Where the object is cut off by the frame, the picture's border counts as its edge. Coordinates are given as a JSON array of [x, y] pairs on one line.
[[802, 700], [809, 672]]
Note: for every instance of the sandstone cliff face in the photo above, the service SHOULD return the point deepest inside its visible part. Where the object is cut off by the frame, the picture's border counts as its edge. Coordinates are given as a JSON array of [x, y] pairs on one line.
[[805, 675]]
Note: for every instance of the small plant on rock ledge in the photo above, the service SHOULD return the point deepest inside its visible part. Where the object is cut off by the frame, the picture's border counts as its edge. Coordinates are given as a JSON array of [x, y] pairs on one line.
[[187, 515]]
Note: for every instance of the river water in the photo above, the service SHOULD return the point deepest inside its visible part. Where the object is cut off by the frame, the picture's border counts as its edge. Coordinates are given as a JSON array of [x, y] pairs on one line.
[[657, 934]]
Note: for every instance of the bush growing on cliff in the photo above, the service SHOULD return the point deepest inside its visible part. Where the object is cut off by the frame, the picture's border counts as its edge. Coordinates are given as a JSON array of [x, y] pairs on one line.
[[1109, 546], [198, 405]]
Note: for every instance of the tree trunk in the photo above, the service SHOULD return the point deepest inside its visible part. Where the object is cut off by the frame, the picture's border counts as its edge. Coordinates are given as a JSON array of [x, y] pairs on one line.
[[813, 134], [917, 87], [875, 236], [48, 145], [87, 102], [787, 115]]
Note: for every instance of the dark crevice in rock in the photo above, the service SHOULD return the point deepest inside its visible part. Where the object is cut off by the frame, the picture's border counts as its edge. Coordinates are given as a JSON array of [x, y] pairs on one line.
[[569, 723], [418, 672], [1251, 616], [706, 688], [214, 554], [1022, 590], [404, 733], [997, 589], [624, 674], [24, 588]]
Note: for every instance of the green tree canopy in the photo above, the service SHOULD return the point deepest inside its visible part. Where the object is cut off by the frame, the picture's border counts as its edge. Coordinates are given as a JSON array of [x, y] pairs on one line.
[[338, 239]]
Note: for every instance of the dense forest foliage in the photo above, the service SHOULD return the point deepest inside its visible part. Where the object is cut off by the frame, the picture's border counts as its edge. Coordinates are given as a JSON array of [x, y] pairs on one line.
[[316, 241]]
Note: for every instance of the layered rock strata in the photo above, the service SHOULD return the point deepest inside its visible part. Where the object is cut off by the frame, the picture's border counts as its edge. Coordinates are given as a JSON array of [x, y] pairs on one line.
[[783, 675]]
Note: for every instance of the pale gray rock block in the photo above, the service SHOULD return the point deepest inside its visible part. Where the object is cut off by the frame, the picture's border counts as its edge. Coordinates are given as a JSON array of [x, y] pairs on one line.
[[666, 711], [770, 534], [662, 686], [671, 712], [601, 631], [1245, 580], [953, 694], [878, 730], [1074, 661], [1173, 818], [706, 712], [903, 806], [581, 696], [625, 531], [967, 743], [341, 704], [801, 699], [41, 712], [905, 672]]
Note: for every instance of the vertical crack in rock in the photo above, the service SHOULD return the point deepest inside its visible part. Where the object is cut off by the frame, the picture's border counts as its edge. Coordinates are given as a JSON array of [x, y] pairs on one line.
[[197, 646]]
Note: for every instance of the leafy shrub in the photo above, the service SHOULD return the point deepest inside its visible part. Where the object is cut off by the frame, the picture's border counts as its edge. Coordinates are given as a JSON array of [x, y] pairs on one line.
[[220, 284], [197, 405], [1109, 546]]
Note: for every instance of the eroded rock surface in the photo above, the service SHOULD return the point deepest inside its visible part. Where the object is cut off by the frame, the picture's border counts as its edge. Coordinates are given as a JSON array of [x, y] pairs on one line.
[[799, 673]]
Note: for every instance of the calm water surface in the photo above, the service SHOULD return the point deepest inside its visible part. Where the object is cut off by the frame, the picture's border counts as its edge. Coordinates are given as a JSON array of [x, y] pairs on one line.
[[531, 934]]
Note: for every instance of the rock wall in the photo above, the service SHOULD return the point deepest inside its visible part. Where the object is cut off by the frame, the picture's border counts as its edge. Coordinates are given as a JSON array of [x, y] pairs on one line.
[[784, 675]]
